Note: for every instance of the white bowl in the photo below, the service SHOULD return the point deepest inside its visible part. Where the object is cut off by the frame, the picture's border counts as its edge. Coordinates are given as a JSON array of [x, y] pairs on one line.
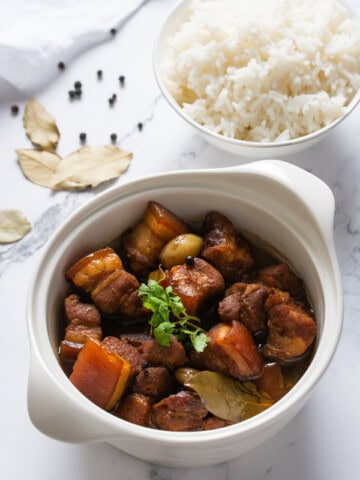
[[272, 199], [250, 150]]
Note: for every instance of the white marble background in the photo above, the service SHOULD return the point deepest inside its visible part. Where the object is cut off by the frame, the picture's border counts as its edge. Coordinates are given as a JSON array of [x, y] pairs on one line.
[[322, 442]]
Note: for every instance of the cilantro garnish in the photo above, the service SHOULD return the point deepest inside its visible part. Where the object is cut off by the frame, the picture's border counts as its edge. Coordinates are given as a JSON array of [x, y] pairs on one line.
[[169, 316]]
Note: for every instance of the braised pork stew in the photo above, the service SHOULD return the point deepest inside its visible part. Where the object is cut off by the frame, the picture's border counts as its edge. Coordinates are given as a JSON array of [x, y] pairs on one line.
[[250, 312]]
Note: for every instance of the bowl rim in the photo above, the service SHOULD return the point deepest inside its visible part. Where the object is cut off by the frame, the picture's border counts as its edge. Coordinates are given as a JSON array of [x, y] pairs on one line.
[[223, 138], [306, 383]]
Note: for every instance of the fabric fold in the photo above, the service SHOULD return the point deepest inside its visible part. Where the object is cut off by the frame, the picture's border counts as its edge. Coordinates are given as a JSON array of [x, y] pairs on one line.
[[36, 35]]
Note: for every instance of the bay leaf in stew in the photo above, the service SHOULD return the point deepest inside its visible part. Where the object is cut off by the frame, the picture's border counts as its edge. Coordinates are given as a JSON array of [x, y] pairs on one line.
[[228, 398]]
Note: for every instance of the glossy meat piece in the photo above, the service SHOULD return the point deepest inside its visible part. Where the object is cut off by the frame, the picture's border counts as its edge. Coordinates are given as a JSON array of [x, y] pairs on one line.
[[83, 323], [283, 278], [292, 329], [69, 350], [79, 333], [113, 289], [171, 357], [213, 422], [100, 375], [125, 350], [143, 244], [245, 302], [197, 285], [136, 339], [231, 350], [83, 313], [224, 248], [90, 270], [134, 408], [119, 295], [272, 381], [180, 412], [154, 382]]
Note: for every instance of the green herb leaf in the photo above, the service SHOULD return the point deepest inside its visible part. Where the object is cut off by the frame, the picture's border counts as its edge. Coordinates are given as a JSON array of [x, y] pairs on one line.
[[163, 332], [169, 316], [199, 341]]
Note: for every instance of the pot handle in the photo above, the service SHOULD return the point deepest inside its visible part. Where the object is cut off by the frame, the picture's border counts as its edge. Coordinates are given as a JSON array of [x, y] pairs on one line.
[[308, 188], [57, 414]]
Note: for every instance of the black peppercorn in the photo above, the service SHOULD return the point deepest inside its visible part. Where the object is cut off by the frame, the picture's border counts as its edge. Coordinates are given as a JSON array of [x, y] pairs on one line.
[[77, 85], [259, 338], [61, 66], [14, 109], [99, 74], [72, 93], [111, 101], [113, 137], [82, 136], [122, 80], [113, 31], [140, 126], [189, 260]]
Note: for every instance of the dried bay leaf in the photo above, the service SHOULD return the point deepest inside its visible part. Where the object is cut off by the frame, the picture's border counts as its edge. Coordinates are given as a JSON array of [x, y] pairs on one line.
[[39, 166], [40, 126], [89, 166], [13, 225], [228, 398]]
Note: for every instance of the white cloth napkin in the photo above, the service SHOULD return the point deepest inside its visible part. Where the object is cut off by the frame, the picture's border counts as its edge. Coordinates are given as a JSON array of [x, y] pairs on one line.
[[37, 34]]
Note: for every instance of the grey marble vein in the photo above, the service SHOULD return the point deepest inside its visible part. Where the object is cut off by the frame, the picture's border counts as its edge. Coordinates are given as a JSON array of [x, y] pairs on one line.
[[41, 231], [145, 121]]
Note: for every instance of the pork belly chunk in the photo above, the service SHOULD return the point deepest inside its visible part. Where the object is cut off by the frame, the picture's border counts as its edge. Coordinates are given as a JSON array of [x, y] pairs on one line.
[[212, 422], [226, 249], [83, 313], [180, 412], [292, 329], [283, 278], [143, 244], [231, 350], [84, 322], [125, 350], [79, 333], [245, 302], [171, 357], [120, 295], [100, 374], [135, 408], [197, 285], [272, 381], [154, 382], [113, 289], [90, 270]]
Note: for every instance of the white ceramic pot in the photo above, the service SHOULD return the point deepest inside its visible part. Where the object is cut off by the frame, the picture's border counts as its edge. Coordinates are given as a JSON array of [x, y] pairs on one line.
[[282, 204], [246, 149]]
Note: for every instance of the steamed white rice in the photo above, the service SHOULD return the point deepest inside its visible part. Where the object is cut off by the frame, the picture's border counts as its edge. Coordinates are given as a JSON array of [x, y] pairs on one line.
[[263, 70]]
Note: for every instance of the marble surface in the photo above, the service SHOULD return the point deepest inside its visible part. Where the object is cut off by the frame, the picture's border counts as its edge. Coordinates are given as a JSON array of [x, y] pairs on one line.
[[322, 442]]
